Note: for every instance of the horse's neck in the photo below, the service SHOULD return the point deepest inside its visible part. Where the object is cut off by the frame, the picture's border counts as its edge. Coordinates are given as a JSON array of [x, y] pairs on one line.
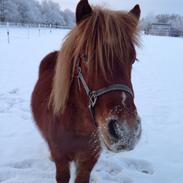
[[77, 108]]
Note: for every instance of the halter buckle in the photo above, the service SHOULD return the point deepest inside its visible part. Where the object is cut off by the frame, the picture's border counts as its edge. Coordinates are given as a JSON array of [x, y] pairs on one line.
[[92, 98]]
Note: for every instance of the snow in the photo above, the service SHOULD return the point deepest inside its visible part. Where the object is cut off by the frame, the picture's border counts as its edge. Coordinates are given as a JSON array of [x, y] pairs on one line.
[[158, 85]]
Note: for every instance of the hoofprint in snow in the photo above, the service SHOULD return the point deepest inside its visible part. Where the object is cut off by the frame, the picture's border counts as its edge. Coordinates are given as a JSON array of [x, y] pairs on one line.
[[158, 85]]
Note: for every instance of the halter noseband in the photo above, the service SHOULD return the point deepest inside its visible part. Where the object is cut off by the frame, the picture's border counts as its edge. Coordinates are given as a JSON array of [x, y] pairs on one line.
[[93, 95]]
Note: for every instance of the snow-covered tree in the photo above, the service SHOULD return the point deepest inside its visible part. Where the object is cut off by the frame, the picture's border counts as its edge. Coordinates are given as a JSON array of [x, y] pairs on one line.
[[69, 17], [31, 11], [51, 13], [2, 16], [177, 22], [9, 10], [146, 22]]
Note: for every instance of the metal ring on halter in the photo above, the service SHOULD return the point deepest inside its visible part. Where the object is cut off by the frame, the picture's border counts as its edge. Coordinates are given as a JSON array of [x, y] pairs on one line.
[[93, 98]]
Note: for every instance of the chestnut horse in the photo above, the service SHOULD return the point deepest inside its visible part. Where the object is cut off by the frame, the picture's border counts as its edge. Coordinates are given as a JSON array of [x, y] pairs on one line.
[[84, 99]]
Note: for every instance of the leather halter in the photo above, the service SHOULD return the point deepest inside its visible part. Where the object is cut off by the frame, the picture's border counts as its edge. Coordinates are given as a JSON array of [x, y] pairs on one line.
[[93, 95]]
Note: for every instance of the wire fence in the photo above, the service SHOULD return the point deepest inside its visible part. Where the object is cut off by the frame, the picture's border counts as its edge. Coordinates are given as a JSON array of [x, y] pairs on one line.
[[33, 25], [28, 29]]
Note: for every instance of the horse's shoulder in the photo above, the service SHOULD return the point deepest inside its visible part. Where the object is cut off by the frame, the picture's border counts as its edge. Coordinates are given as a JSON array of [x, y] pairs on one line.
[[48, 62]]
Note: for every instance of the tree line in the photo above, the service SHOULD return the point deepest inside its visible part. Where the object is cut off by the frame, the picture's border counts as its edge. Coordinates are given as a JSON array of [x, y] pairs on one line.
[[31, 11]]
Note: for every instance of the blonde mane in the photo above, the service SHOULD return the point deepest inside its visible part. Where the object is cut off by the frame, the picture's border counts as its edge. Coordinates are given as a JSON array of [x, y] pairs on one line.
[[102, 35]]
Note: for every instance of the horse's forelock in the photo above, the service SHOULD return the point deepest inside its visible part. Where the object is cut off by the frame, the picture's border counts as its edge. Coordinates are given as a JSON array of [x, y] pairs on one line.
[[102, 35]]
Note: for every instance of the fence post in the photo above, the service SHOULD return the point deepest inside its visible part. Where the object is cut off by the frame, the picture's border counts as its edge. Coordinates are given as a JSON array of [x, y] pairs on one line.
[[39, 29], [8, 32], [50, 28], [28, 27]]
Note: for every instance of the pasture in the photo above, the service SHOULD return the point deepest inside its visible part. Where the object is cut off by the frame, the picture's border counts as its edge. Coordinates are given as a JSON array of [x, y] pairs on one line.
[[158, 85]]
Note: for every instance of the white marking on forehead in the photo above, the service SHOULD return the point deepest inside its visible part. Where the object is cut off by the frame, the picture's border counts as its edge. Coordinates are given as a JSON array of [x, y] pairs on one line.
[[123, 96]]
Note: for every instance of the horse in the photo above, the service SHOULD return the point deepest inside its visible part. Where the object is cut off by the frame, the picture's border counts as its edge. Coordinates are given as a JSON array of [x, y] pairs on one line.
[[83, 101]]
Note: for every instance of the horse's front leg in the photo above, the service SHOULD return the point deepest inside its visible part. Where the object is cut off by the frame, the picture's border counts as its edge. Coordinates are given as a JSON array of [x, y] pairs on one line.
[[62, 171], [84, 167]]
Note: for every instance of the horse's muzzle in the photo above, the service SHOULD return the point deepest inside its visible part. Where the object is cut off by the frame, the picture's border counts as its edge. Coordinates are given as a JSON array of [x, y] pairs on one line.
[[121, 136]]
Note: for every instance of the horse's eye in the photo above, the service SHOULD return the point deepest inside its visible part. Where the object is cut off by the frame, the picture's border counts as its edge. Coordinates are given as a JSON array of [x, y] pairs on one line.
[[84, 57]]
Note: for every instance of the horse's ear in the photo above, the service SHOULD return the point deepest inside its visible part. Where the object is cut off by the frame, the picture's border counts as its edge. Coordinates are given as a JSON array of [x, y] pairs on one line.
[[136, 11], [83, 10]]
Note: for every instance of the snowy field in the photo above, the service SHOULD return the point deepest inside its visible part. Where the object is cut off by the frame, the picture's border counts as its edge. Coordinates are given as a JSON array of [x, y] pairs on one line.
[[158, 84]]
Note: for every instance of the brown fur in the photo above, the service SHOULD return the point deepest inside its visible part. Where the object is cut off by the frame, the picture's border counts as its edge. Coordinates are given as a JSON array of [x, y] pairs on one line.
[[108, 38]]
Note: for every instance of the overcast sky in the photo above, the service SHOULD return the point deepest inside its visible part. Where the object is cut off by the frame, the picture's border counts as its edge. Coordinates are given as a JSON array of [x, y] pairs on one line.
[[147, 6]]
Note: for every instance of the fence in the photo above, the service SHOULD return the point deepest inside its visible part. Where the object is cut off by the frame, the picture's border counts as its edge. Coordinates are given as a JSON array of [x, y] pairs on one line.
[[3, 24], [9, 27]]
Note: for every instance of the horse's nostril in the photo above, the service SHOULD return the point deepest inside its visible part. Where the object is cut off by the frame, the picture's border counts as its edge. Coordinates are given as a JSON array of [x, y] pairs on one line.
[[120, 147], [112, 125]]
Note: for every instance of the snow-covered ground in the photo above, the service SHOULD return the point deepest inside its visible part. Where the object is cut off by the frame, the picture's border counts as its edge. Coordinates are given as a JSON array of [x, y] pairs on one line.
[[158, 84]]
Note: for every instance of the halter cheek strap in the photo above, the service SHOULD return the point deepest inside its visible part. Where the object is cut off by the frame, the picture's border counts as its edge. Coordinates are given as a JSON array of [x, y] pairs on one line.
[[93, 95]]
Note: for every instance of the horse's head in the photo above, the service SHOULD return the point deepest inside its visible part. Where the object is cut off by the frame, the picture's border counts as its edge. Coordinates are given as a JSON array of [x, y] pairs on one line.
[[106, 60], [101, 50]]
